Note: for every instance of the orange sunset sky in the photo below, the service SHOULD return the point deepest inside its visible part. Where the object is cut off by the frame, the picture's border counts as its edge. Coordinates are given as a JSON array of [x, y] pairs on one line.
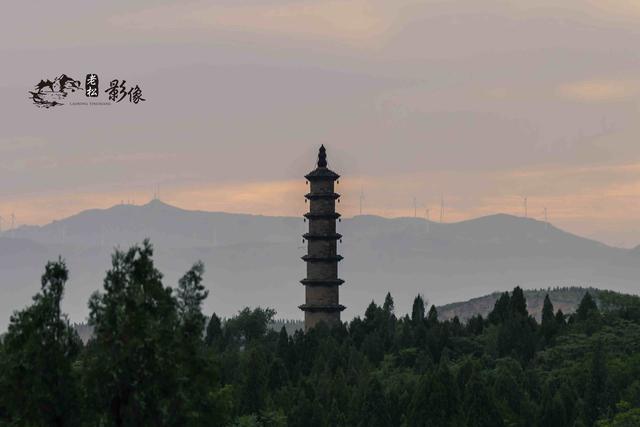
[[481, 103]]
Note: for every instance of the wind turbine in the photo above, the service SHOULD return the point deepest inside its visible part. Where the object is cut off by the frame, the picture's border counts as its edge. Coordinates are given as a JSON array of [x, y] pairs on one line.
[[361, 198], [303, 227], [426, 216]]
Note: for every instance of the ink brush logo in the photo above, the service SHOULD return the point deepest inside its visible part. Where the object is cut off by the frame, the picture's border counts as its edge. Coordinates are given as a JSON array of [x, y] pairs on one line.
[[49, 93], [67, 90]]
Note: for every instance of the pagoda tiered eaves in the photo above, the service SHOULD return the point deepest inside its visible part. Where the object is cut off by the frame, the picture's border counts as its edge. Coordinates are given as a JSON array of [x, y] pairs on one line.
[[334, 215], [332, 236], [314, 196]]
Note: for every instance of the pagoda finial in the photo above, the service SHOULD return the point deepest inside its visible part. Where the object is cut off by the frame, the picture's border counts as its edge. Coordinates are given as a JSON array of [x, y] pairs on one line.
[[322, 157]]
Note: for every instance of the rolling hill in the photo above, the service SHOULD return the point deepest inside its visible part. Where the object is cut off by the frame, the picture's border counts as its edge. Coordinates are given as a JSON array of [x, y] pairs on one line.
[[566, 299]]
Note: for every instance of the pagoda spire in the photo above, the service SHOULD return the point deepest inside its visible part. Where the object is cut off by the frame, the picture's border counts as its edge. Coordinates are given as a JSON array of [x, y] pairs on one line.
[[322, 157]]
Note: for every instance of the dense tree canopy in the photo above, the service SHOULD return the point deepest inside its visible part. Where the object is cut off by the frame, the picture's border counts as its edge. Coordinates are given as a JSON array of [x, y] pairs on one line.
[[37, 383], [156, 360]]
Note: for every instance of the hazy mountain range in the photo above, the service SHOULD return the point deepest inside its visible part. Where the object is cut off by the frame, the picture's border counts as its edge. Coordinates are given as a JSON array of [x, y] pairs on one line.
[[255, 260]]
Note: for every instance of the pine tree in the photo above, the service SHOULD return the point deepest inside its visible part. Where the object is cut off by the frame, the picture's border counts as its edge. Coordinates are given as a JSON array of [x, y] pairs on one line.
[[253, 390], [500, 310], [192, 403], [417, 311], [586, 308], [214, 331], [516, 332], [548, 326], [373, 317], [388, 305], [481, 410], [518, 303], [130, 366], [595, 394], [39, 350], [435, 402], [560, 319], [389, 322], [190, 295], [374, 411], [278, 375], [475, 324], [283, 348], [553, 411], [588, 314], [432, 317]]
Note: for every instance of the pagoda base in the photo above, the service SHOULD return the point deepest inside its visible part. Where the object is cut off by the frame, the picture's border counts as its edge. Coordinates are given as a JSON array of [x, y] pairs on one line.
[[313, 318]]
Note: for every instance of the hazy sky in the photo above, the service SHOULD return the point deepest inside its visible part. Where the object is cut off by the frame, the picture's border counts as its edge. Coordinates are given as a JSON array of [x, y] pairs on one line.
[[482, 101]]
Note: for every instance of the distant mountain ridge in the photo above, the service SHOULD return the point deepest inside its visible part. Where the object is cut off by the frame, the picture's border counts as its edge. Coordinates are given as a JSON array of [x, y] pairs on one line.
[[255, 260]]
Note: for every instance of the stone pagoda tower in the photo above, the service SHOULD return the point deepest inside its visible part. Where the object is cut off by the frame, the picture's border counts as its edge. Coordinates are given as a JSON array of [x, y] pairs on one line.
[[322, 283]]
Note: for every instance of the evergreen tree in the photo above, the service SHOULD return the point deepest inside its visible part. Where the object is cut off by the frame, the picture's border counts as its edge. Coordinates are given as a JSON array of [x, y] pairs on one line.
[[518, 303], [283, 349], [214, 331], [253, 391], [193, 405], [432, 317], [373, 318], [500, 310], [373, 347], [588, 314], [435, 402], [553, 411], [36, 372], [481, 410], [374, 411], [388, 305], [595, 400], [130, 364], [190, 295], [516, 333], [278, 375], [548, 326], [475, 325], [586, 308], [560, 319], [388, 326], [417, 311]]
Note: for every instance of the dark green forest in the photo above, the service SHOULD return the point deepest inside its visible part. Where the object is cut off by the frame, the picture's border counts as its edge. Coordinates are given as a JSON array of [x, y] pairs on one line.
[[155, 359]]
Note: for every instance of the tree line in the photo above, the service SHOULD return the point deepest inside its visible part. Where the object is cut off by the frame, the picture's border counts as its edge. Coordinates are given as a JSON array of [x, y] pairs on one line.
[[155, 359]]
